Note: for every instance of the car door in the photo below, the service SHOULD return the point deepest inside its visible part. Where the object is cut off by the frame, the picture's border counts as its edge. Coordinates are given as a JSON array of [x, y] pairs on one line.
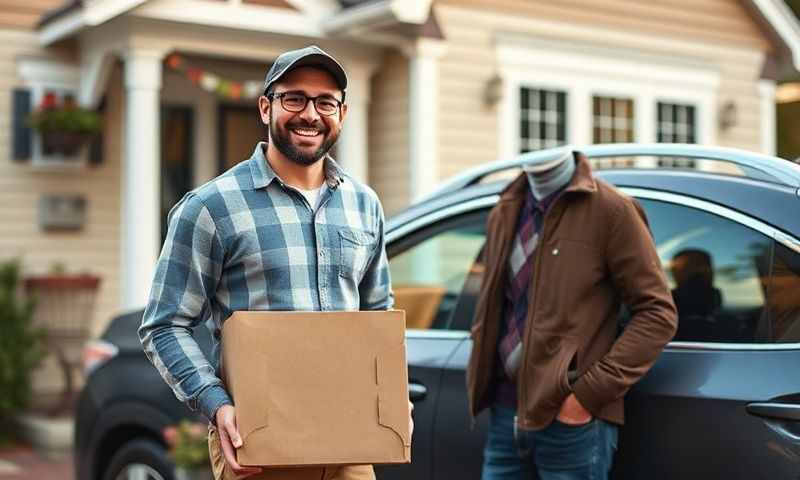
[[429, 262], [723, 399]]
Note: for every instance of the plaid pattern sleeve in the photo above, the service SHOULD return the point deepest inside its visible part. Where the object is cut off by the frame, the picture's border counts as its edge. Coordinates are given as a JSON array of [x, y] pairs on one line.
[[187, 274], [248, 241]]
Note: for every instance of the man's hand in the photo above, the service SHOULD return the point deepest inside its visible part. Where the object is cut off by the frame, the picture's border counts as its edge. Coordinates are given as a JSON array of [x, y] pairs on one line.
[[230, 440], [410, 419], [573, 413]]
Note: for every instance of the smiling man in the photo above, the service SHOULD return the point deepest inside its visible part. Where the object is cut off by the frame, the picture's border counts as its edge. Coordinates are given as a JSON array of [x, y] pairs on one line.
[[287, 229]]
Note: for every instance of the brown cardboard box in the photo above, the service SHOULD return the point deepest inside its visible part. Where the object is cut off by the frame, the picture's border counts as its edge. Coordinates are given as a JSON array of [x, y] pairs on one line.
[[318, 388]]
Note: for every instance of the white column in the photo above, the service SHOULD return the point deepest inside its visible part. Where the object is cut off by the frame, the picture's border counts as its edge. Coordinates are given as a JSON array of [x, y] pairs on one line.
[[769, 134], [353, 145], [140, 175], [206, 162], [579, 115], [423, 97]]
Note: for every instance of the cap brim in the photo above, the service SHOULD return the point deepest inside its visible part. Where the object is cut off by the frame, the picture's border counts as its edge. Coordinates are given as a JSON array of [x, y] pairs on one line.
[[316, 60]]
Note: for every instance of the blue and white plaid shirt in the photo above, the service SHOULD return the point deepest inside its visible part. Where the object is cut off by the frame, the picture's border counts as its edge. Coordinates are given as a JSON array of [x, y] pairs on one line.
[[247, 241]]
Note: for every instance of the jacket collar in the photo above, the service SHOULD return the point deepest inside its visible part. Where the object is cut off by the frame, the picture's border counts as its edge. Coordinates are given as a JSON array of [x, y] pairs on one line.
[[582, 181], [263, 174]]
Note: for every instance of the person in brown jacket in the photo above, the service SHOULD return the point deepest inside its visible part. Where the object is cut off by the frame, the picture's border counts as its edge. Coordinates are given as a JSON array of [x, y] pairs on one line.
[[564, 252]]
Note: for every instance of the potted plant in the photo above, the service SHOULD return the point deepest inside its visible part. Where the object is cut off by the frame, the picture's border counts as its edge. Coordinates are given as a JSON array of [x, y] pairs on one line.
[[188, 448], [64, 126], [21, 346]]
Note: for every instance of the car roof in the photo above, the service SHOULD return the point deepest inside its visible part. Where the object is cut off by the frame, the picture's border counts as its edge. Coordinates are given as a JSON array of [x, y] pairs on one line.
[[775, 204]]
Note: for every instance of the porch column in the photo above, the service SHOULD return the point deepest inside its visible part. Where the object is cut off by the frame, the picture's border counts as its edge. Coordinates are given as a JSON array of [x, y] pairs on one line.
[[353, 143], [423, 97], [141, 236]]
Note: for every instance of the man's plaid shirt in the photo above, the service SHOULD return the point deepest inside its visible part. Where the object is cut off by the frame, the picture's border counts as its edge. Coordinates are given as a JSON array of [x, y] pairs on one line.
[[247, 241]]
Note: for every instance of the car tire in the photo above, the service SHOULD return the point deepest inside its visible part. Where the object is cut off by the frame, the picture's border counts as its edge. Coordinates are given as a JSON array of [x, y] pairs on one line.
[[141, 458]]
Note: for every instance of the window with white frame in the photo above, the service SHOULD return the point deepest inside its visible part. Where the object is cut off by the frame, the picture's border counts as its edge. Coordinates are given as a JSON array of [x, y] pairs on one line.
[[55, 84], [616, 94], [543, 118]]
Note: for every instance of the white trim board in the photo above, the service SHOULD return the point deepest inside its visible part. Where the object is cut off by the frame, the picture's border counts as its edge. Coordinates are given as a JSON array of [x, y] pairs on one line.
[[238, 16], [583, 71]]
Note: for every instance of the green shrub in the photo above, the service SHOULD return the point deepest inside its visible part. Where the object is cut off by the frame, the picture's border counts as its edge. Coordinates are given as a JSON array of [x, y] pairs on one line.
[[66, 116], [21, 345]]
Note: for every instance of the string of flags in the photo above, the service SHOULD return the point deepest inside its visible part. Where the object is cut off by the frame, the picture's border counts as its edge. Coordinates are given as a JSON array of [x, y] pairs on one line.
[[213, 83]]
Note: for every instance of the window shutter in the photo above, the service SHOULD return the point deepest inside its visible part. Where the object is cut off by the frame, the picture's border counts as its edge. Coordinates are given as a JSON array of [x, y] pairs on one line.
[[21, 135]]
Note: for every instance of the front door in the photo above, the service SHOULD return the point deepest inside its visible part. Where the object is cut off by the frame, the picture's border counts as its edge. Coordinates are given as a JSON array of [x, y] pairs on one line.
[[240, 128], [177, 133]]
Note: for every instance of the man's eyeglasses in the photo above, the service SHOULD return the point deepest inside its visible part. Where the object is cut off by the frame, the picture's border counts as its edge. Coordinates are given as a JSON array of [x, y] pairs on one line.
[[296, 102]]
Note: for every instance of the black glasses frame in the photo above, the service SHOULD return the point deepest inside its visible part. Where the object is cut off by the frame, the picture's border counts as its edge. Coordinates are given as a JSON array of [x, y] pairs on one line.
[[281, 95]]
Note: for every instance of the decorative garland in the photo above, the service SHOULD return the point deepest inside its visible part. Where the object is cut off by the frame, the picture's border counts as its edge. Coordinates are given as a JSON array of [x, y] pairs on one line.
[[214, 83]]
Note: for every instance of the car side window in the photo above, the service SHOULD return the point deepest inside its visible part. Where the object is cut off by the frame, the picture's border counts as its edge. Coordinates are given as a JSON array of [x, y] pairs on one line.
[[429, 269], [783, 297], [718, 271]]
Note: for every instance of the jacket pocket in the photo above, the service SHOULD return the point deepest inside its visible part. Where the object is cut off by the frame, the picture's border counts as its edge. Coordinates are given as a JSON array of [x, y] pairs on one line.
[[355, 248], [546, 368]]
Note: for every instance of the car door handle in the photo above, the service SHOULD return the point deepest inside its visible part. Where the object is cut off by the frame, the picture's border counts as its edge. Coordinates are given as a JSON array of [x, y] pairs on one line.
[[417, 391], [777, 411]]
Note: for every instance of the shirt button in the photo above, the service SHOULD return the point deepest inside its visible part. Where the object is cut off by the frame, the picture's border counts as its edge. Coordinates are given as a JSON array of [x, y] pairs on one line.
[[555, 251]]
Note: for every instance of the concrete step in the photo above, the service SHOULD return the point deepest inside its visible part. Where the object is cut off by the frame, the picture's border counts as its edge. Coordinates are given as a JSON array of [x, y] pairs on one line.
[[53, 437]]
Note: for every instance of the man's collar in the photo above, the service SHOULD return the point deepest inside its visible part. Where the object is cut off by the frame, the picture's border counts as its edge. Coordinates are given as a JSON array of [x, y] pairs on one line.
[[263, 174]]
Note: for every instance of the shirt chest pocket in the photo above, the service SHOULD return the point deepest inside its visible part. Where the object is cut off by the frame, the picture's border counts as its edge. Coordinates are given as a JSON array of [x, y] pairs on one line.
[[355, 250]]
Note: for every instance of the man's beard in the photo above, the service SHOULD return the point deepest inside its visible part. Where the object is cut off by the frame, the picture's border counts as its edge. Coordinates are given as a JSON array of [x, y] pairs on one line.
[[279, 136]]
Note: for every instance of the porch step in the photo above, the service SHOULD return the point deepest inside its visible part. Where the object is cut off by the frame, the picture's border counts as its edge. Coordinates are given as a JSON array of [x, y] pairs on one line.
[[53, 437]]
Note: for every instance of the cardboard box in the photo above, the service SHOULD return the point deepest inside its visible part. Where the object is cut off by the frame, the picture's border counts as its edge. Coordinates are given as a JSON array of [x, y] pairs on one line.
[[318, 388]]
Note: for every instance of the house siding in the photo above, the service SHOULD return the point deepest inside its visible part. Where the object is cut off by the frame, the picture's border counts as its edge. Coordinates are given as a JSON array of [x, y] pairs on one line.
[[388, 133], [95, 249], [719, 31], [24, 15]]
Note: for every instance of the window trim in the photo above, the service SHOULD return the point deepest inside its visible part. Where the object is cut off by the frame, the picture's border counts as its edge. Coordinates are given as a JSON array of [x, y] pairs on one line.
[[483, 202], [583, 71]]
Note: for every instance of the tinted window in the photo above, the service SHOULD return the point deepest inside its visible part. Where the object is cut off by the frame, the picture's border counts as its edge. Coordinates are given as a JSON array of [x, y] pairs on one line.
[[429, 269], [783, 299], [717, 270]]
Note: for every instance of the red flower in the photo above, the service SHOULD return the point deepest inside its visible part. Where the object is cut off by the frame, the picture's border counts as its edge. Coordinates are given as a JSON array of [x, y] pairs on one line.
[[49, 101]]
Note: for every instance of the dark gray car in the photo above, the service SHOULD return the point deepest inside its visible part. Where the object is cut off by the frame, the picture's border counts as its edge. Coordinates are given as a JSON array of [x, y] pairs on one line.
[[723, 401]]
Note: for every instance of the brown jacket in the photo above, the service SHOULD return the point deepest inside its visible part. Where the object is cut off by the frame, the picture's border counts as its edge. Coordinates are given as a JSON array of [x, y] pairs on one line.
[[595, 252]]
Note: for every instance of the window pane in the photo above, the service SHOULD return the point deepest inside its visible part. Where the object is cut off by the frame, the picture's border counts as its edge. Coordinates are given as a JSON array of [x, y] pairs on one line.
[[613, 120], [784, 295], [717, 271], [543, 114], [428, 277], [676, 124]]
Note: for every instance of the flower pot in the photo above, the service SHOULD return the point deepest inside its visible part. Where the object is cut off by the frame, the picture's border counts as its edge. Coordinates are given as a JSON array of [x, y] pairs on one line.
[[63, 143], [193, 473]]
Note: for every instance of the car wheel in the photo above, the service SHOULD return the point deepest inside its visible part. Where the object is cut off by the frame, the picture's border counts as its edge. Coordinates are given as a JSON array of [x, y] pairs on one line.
[[140, 459]]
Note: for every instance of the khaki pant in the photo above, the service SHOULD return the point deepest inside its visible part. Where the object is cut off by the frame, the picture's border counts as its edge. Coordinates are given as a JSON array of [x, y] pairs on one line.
[[223, 472]]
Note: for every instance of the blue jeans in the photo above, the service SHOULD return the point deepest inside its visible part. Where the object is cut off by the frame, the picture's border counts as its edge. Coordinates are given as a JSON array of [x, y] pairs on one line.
[[559, 452]]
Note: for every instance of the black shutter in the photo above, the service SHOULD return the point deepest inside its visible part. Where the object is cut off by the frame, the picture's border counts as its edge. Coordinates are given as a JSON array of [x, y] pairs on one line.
[[22, 133]]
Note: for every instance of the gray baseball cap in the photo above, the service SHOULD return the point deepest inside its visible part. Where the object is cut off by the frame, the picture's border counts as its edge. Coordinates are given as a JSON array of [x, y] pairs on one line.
[[311, 56]]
